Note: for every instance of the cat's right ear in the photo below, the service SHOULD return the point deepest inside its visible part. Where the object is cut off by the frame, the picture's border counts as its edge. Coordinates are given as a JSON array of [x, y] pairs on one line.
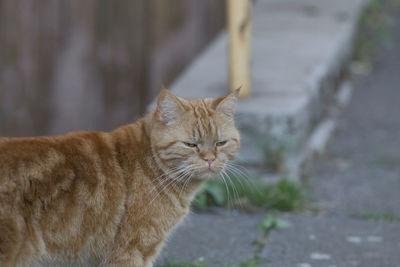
[[226, 104], [169, 107]]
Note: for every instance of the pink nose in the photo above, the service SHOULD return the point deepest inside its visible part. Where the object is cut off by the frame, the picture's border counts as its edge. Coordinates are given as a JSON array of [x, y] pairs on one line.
[[209, 160]]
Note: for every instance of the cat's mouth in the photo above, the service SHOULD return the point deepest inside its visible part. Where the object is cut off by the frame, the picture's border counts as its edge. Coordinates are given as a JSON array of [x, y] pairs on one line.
[[209, 172]]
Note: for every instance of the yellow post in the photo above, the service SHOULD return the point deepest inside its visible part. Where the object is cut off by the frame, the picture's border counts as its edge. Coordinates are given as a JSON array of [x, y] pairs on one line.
[[239, 29]]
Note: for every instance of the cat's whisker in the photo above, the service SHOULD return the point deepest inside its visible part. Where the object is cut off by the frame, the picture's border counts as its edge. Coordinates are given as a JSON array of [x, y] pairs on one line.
[[186, 183], [235, 191], [164, 178], [169, 174], [181, 178], [162, 190], [173, 181], [171, 170], [226, 188], [185, 178], [237, 168], [246, 178], [166, 183], [241, 159], [240, 167], [232, 170], [241, 173]]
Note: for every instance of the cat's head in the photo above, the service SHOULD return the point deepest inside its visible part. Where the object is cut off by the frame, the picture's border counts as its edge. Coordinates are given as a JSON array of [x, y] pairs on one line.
[[195, 137]]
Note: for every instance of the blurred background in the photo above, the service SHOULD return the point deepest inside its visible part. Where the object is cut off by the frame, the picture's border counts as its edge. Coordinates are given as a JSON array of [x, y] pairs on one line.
[[95, 64]]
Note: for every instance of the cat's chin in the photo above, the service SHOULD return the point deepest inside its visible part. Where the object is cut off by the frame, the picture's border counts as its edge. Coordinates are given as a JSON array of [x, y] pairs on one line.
[[208, 174]]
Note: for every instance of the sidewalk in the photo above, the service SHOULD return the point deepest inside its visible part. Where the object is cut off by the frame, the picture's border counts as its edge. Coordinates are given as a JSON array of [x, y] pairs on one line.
[[355, 187]]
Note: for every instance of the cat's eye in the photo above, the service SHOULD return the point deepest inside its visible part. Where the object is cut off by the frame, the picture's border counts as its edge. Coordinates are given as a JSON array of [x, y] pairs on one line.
[[221, 143], [190, 144]]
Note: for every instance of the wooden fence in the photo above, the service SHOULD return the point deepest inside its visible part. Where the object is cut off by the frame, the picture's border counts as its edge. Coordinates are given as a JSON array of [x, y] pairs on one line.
[[71, 64]]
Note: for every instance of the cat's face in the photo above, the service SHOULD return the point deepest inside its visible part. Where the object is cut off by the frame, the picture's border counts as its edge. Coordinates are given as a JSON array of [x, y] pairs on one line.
[[195, 138]]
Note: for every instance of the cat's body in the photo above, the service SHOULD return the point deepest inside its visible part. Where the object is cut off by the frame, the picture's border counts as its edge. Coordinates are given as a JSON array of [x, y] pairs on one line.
[[110, 198]]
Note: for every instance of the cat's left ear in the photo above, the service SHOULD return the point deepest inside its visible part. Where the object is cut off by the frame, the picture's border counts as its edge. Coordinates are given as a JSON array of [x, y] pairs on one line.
[[227, 104], [169, 107]]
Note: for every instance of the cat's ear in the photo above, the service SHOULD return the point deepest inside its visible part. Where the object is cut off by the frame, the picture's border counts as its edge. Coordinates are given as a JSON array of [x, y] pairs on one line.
[[227, 104], [169, 107]]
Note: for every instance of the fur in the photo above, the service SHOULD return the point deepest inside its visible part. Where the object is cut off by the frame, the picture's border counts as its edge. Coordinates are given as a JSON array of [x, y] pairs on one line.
[[111, 198]]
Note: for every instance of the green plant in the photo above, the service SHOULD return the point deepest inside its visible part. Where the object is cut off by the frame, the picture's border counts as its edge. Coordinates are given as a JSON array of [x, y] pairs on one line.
[[197, 263], [275, 152], [202, 263], [285, 196], [376, 23], [271, 222], [387, 162], [247, 193], [371, 216], [211, 194], [248, 263]]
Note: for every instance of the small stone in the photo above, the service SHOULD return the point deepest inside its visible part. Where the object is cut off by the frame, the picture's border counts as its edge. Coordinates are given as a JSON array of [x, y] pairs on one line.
[[373, 238], [312, 237], [320, 256], [354, 239], [200, 259], [304, 265]]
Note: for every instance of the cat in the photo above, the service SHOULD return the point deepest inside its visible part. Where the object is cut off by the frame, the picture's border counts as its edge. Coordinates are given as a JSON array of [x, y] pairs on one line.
[[111, 198]]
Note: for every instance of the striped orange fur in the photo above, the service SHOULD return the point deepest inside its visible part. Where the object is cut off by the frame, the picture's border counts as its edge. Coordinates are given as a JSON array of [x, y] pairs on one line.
[[111, 198]]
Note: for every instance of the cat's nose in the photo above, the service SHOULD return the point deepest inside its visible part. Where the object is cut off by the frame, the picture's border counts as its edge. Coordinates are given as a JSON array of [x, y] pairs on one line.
[[209, 160]]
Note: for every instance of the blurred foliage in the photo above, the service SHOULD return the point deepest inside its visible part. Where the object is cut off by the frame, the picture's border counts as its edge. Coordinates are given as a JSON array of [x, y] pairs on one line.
[[249, 263], [371, 216], [275, 153], [376, 23], [202, 263], [247, 193], [271, 222], [197, 263]]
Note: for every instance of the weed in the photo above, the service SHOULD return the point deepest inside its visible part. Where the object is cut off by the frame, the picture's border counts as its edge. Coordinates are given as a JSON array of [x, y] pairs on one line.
[[212, 193], [202, 263], [387, 162], [283, 196], [376, 23], [248, 263], [270, 223], [197, 263], [275, 157], [275, 151], [386, 217]]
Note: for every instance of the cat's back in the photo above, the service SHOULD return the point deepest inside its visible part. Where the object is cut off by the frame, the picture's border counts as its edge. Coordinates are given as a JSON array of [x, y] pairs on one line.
[[19, 157], [53, 160], [67, 188]]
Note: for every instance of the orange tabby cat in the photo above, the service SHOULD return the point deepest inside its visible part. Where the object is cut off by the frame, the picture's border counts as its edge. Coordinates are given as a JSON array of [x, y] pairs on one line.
[[111, 198]]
